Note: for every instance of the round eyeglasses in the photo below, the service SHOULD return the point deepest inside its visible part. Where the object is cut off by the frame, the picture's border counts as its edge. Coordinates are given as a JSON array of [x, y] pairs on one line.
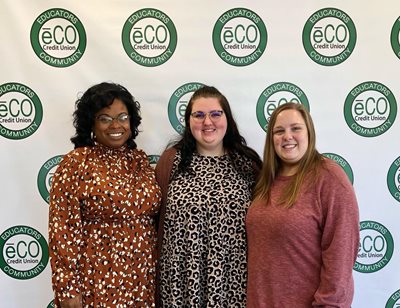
[[104, 119], [214, 115]]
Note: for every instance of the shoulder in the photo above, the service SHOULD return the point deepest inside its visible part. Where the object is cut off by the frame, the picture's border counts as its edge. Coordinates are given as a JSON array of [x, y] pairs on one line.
[[77, 155], [168, 155], [139, 154], [166, 161], [332, 174], [247, 161]]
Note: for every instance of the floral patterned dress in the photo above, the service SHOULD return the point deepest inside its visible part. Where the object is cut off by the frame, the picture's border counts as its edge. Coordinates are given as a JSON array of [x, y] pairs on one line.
[[101, 227]]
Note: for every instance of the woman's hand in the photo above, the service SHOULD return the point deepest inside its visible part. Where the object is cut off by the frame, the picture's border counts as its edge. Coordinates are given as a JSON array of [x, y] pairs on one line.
[[75, 302]]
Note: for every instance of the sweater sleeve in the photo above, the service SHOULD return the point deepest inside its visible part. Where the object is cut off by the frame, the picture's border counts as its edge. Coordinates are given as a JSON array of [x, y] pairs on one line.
[[340, 238], [163, 173], [65, 234]]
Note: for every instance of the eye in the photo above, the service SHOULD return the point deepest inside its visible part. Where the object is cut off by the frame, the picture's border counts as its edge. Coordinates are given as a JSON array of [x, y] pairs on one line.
[[278, 131], [123, 117], [216, 114], [198, 115], [104, 119]]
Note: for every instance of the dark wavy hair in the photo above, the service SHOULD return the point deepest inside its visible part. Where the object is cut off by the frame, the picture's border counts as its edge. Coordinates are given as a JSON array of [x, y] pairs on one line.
[[232, 141], [92, 101]]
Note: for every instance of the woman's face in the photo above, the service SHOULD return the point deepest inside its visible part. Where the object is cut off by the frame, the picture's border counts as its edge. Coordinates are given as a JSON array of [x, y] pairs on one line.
[[112, 125], [209, 131], [290, 136]]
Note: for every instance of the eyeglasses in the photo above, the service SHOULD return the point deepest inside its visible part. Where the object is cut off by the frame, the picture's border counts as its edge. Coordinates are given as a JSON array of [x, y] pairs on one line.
[[104, 119], [214, 115]]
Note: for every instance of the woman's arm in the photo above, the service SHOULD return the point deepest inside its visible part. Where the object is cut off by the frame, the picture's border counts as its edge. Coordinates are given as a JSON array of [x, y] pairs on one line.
[[340, 240], [65, 234]]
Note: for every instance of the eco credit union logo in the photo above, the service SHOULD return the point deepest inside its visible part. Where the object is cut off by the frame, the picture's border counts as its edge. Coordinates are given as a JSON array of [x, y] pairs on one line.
[[375, 249], [149, 37], [58, 37], [395, 37], [24, 252], [275, 95], [45, 176], [393, 179], [370, 109], [394, 300], [178, 102], [329, 36], [239, 37], [20, 111], [342, 163]]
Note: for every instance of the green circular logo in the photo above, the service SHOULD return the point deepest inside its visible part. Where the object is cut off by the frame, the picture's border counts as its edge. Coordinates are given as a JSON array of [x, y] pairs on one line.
[[394, 300], [178, 102], [153, 159], [20, 111], [329, 36], [239, 37], [393, 179], [149, 37], [24, 252], [51, 304], [376, 247], [395, 37], [45, 176], [275, 95], [342, 163], [58, 38], [370, 109]]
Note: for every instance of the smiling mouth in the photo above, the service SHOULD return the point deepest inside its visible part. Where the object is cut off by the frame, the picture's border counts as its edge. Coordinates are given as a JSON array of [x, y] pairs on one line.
[[289, 146], [115, 135]]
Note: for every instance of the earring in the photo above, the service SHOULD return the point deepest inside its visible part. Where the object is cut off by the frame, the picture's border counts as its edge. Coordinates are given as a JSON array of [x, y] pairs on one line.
[[92, 136]]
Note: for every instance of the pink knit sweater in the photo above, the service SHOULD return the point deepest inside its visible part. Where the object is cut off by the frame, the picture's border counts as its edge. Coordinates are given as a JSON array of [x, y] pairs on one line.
[[303, 256]]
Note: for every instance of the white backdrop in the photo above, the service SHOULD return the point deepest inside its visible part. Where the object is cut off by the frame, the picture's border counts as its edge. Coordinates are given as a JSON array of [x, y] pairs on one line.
[[344, 68]]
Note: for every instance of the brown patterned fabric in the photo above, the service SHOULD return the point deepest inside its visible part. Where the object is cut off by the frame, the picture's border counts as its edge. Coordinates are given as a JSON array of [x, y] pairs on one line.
[[102, 229]]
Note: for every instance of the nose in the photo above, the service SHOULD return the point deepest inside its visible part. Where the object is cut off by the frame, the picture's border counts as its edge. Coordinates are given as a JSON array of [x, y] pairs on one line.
[[207, 118], [287, 135], [115, 123]]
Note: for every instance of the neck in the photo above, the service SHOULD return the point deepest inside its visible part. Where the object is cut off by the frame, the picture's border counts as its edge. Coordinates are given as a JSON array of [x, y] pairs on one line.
[[211, 152], [288, 170]]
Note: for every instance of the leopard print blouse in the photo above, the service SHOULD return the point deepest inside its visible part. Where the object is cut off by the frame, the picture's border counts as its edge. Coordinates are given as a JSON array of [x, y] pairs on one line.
[[203, 256]]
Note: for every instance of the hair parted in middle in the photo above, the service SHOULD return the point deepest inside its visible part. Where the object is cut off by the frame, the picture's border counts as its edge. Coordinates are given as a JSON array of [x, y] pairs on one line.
[[309, 164], [232, 141]]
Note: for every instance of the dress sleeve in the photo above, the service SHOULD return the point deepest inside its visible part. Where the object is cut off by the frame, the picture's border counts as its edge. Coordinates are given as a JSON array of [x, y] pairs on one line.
[[340, 239], [65, 229]]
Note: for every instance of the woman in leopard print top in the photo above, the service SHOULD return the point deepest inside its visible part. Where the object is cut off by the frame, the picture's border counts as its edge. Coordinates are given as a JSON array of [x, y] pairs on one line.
[[206, 180]]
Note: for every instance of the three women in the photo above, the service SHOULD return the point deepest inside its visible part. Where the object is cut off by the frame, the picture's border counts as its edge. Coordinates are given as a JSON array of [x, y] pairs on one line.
[[302, 227]]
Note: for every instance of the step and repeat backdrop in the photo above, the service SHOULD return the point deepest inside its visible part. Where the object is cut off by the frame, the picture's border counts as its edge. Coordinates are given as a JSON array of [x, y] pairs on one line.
[[341, 59]]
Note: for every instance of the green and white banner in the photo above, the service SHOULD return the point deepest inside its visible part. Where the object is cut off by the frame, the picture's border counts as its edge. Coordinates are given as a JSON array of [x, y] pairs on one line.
[[338, 58]]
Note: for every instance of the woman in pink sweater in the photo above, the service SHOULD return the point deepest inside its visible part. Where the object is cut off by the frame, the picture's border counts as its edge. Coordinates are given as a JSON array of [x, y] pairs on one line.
[[303, 225]]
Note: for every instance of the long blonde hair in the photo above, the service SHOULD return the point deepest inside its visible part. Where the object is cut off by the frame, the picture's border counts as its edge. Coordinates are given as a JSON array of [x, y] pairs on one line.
[[308, 165]]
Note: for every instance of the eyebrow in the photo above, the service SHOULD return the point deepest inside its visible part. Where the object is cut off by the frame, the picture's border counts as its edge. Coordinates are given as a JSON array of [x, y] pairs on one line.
[[124, 112], [293, 124]]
